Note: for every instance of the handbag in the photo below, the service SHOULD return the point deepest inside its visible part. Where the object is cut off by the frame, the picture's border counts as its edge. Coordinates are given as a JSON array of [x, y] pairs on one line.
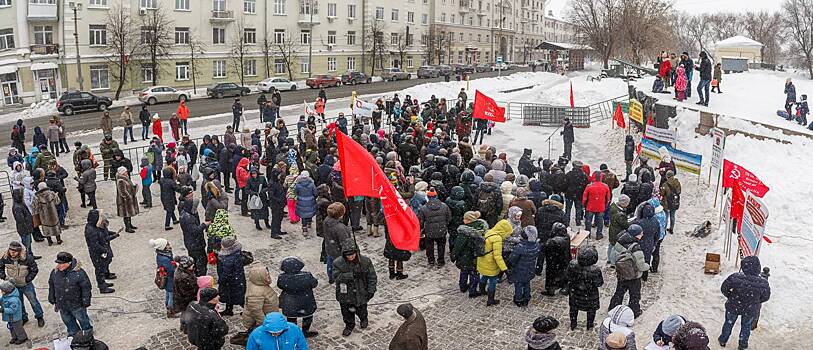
[[254, 201], [161, 278]]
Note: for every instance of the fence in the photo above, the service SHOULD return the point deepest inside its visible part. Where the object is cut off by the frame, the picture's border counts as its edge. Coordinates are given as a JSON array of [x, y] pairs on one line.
[[5, 186]]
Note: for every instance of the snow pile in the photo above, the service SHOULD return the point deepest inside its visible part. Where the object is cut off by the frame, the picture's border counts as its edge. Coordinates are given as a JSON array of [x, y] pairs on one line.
[[38, 109], [489, 86]]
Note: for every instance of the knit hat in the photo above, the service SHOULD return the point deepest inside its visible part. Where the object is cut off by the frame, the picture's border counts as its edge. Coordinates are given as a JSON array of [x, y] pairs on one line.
[[6, 287], [522, 192], [185, 191], [471, 216], [420, 186], [545, 324], [623, 201], [185, 262], [15, 246], [616, 340], [207, 294], [158, 243], [42, 186], [556, 198], [691, 336], [405, 310], [529, 233], [229, 245], [431, 192], [632, 178], [671, 324]]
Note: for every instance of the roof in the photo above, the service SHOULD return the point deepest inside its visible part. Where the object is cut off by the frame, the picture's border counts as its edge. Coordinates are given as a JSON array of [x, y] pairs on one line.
[[738, 42], [549, 45]]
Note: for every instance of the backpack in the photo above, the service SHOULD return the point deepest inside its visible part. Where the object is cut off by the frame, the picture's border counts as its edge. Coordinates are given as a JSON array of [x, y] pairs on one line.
[[161, 278], [625, 268], [479, 242], [485, 203], [673, 199]]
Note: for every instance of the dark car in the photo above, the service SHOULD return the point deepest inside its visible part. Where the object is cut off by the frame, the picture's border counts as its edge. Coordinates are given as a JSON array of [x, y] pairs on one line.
[[322, 80], [227, 89], [352, 77], [482, 67], [464, 69], [444, 69], [427, 72], [74, 101]]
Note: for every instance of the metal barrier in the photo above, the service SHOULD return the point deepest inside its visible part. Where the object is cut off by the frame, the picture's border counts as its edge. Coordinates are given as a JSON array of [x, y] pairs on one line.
[[604, 110], [5, 185]]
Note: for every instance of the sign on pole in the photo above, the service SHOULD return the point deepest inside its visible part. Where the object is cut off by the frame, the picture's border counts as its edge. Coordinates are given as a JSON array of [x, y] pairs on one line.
[[362, 108], [499, 59], [717, 147], [754, 218], [636, 111], [661, 134]]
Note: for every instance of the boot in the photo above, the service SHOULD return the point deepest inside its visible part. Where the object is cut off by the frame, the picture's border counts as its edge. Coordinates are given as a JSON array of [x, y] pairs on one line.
[[481, 289], [267, 225], [549, 292], [392, 273], [491, 301], [50, 242], [257, 225], [171, 314], [275, 236], [376, 233], [58, 239], [370, 230], [400, 275]]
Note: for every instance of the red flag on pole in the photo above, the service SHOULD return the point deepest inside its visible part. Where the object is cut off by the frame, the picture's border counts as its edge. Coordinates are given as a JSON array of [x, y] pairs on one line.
[[361, 176], [618, 116], [486, 108], [572, 102], [650, 121], [733, 173], [737, 203], [638, 150]]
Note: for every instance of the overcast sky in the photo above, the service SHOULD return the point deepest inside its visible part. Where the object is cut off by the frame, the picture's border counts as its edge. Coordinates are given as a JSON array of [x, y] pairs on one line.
[[559, 7]]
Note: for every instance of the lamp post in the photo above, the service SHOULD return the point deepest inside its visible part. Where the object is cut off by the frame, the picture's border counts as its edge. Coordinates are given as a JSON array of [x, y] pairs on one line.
[[75, 6]]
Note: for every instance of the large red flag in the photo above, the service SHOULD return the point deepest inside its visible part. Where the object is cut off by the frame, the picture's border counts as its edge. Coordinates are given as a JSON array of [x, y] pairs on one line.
[[486, 108], [572, 101], [361, 176], [737, 203], [733, 173], [618, 116]]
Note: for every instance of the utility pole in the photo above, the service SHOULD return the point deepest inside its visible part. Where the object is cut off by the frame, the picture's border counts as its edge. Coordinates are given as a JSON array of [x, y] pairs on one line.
[[75, 7], [310, 39]]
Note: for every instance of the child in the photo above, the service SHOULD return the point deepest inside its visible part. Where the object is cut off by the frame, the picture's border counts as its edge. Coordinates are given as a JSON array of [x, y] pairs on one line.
[[619, 320], [584, 279], [523, 265], [146, 181], [802, 110], [667, 329], [13, 312], [680, 84], [166, 266], [540, 336]]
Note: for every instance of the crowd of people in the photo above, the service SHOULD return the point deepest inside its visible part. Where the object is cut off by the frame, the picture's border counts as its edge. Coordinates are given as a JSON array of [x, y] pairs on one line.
[[678, 71], [499, 225]]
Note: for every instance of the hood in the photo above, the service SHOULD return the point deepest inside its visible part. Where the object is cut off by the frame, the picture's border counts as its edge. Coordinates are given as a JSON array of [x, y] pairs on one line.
[[323, 191], [275, 323], [329, 160], [506, 187], [479, 170], [205, 281], [256, 275], [27, 182], [17, 164], [292, 264], [622, 315], [467, 176], [167, 173], [588, 256], [489, 187], [502, 228], [243, 163], [625, 239], [647, 211], [17, 195], [498, 165], [93, 217], [526, 152], [552, 203], [535, 185], [458, 193], [751, 266], [86, 164]]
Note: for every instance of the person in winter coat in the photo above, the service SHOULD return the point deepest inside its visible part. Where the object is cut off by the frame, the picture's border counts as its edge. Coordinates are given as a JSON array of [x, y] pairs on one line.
[[163, 258], [619, 320], [276, 334], [705, 79], [18, 266], [667, 329], [632, 189], [261, 298], [297, 299], [523, 264], [98, 238], [690, 336], [23, 219], [231, 274], [174, 126], [491, 266], [144, 118], [490, 200], [184, 284], [157, 127], [18, 136], [183, 116], [11, 309], [458, 207], [276, 201], [507, 197], [126, 202], [629, 155], [336, 235], [567, 138], [411, 335], [44, 206], [596, 198], [618, 221], [574, 195], [205, 328], [645, 218], [70, 292], [356, 284], [395, 258], [498, 171], [630, 265], [464, 251], [548, 214], [528, 207], [193, 230], [540, 335], [670, 195], [217, 200], [257, 187], [434, 217], [718, 78], [106, 124], [127, 124], [241, 175], [745, 291], [557, 257], [52, 132], [305, 192], [584, 279], [681, 84], [169, 189]]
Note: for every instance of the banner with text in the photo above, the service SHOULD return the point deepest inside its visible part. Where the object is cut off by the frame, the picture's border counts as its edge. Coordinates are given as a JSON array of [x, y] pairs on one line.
[[362, 108], [685, 161], [636, 111], [752, 231], [661, 134]]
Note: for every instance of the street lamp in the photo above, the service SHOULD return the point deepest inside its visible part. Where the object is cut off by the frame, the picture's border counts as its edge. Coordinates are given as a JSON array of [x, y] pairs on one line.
[[75, 6]]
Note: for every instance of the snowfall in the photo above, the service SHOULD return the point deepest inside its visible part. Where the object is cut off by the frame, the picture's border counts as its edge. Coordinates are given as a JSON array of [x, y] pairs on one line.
[[784, 167]]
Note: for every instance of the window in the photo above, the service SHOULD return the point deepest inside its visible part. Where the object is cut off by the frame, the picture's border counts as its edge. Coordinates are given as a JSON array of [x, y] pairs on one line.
[[452, 18], [424, 39], [351, 37], [424, 19], [279, 7], [218, 5], [218, 35], [279, 36], [305, 7], [147, 74], [461, 37], [410, 62], [479, 37], [331, 37], [351, 11], [182, 5], [6, 39], [443, 17], [218, 69], [279, 66], [379, 13], [304, 36], [460, 57], [148, 4], [97, 3], [43, 35], [249, 6], [351, 63], [99, 77], [331, 9], [394, 16], [331, 64], [304, 67], [181, 35], [410, 17], [394, 38], [98, 34], [182, 71], [250, 36], [425, 2], [146, 35], [410, 38], [250, 68]]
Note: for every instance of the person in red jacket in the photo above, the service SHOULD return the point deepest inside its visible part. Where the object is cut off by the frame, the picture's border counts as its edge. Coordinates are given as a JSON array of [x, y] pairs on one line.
[[157, 128], [596, 197], [183, 116], [242, 174], [665, 71]]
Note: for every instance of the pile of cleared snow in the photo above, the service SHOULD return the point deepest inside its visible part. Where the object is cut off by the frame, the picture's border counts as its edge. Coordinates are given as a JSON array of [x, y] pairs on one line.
[[36, 110]]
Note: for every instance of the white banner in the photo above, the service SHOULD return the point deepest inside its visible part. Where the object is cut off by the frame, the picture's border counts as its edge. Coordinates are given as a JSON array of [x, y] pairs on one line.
[[663, 135], [754, 217], [717, 148], [362, 108]]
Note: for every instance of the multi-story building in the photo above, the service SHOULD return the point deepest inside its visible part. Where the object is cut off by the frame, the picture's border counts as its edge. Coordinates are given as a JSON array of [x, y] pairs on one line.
[[558, 30], [49, 46], [477, 31]]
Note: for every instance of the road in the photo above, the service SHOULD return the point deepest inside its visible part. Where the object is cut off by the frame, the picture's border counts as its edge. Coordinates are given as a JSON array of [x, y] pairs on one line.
[[207, 106]]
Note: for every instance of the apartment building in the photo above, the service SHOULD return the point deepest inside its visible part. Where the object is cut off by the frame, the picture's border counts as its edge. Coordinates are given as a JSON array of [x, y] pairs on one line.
[[559, 30], [50, 46]]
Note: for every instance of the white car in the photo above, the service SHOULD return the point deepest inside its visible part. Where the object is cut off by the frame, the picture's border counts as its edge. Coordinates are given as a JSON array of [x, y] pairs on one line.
[[158, 94], [280, 84]]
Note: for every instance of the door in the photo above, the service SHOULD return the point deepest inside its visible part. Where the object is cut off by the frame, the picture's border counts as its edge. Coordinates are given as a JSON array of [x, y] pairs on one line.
[[10, 93], [87, 101], [46, 81]]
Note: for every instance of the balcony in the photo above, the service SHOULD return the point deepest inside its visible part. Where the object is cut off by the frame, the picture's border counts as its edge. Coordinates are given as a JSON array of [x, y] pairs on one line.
[[222, 16], [481, 12], [44, 49], [306, 19], [42, 12]]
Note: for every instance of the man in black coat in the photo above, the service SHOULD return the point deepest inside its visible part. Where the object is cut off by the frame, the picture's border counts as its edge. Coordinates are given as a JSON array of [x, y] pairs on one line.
[[629, 154], [557, 256], [146, 120], [434, 217], [225, 161], [169, 187], [101, 254], [745, 291], [576, 183], [567, 138], [705, 79], [526, 164], [193, 230], [548, 214], [356, 284], [237, 113], [70, 292], [205, 328], [191, 150]]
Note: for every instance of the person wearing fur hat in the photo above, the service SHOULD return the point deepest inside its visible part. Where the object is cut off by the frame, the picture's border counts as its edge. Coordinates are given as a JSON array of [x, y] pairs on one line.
[[231, 274], [356, 284], [745, 291], [163, 258], [584, 279], [546, 216], [528, 207], [667, 329], [205, 328], [540, 335], [619, 320], [44, 205], [411, 335], [126, 202], [12, 312], [98, 237], [18, 267], [184, 284], [523, 264], [691, 336]]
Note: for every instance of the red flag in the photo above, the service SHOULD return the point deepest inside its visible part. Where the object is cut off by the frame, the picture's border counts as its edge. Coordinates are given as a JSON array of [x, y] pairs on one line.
[[737, 203], [572, 102], [733, 173], [618, 117], [638, 151], [486, 108], [650, 121], [361, 176]]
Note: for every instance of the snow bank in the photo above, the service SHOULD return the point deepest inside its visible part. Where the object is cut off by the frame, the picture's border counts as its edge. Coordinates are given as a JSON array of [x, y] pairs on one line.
[[36, 110]]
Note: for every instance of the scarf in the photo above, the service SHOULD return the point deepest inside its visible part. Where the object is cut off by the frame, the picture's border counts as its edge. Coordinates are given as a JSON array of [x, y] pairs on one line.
[[539, 341]]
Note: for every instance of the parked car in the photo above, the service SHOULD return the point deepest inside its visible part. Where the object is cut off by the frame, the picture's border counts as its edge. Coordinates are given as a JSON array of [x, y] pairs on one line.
[[393, 74], [280, 84], [74, 101], [444, 69], [499, 66], [352, 77], [428, 72], [322, 80], [227, 89], [464, 69], [480, 68], [158, 94]]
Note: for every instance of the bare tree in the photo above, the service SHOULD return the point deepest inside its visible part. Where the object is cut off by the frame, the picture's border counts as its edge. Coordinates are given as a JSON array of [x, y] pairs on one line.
[[121, 44], [638, 14], [157, 38], [267, 49], [239, 50], [401, 46], [764, 27], [724, 25], [680, 24], [699, 28], [195, 46], [374, 44], [286, 48], [596, 21], [797, 17]]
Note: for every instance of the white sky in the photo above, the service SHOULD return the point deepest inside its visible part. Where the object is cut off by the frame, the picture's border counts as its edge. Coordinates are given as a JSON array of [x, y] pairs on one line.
[[559, 7]]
